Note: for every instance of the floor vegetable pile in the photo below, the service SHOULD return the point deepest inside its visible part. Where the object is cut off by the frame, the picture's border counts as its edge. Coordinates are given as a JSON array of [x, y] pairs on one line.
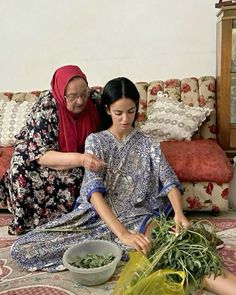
[[190, 252]]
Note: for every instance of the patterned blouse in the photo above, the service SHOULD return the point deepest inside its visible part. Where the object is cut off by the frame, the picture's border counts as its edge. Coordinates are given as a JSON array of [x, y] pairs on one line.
[[135, 184]]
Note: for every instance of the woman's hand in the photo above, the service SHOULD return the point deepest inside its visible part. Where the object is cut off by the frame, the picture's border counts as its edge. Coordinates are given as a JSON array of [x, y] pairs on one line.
[[138, 241], [176, 202], [180, 221], [92, 163]]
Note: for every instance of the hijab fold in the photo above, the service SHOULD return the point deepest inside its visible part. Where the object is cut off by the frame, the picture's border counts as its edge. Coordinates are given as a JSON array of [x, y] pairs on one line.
[[72, 131]]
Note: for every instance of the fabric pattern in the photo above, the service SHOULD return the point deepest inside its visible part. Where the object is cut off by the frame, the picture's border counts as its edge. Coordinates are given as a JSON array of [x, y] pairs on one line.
[[20, 96], [172, 120], [50, 192], [205, 196], [142, 111], [198, 160], [191, 91], [135, 164], [5, 159], [12, 118]]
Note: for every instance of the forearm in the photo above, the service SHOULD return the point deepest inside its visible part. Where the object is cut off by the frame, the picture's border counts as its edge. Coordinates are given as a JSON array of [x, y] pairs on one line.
[[176, 200], [106, 214], [61, 161]]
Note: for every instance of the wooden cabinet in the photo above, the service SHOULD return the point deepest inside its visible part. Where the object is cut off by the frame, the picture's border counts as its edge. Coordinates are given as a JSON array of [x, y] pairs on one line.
[[226, 79]]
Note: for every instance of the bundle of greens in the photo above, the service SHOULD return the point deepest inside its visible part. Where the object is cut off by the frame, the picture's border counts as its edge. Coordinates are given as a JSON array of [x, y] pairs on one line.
[[190, 252]]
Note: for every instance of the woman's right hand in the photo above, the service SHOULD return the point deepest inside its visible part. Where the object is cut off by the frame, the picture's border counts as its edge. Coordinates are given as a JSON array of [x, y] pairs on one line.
[[138, 241], [92, 163]]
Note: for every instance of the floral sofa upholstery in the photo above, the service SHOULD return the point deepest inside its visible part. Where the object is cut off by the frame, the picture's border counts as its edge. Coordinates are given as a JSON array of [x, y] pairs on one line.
[[188, 158], [199, 193]]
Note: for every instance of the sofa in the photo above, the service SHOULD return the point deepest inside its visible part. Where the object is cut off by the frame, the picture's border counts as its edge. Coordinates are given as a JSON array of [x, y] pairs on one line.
[[199, 162]]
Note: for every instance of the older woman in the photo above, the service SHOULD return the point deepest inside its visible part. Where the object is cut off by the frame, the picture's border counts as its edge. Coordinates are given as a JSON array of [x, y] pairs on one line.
[[48, 161]]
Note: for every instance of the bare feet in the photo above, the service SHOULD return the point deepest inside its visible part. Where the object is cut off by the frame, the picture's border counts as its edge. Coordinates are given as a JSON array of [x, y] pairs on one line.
[[224, 284]]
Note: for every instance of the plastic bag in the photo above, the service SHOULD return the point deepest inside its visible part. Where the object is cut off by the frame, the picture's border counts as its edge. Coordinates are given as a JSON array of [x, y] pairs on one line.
[[137, 278]]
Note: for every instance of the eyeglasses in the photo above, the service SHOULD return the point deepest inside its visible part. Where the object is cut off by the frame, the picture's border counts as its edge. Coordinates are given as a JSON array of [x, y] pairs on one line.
[[73, 96]]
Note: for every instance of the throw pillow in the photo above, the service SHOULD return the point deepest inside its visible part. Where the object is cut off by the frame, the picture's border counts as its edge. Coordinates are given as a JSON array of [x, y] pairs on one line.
[[12, 119], [169, 119], [198, 160]]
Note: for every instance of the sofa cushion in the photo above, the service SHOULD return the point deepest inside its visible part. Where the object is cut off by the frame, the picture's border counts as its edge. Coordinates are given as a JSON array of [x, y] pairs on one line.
[[12, 118], [169, 119], [5, 159], [198, 160]]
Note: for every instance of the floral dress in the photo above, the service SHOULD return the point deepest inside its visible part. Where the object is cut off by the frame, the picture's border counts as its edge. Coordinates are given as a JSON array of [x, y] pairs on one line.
[[33, 193], [134, 184]]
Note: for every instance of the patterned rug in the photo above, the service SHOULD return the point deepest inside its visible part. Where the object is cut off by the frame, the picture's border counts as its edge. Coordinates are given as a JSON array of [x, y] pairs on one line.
[[14, 281]]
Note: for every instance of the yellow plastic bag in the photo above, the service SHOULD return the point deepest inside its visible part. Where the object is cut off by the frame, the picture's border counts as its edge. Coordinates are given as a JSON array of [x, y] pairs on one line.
[[158, 283], [137, 278]]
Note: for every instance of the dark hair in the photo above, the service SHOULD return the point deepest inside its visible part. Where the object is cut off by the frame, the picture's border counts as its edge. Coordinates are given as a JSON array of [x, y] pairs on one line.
[[114, 90]]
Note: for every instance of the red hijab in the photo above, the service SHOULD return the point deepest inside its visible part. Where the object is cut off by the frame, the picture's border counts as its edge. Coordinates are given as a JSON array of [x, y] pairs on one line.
[[72, 131]]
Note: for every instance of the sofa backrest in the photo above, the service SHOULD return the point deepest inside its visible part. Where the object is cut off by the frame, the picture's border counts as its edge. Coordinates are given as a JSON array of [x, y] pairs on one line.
[[20, 96], [192, 91]]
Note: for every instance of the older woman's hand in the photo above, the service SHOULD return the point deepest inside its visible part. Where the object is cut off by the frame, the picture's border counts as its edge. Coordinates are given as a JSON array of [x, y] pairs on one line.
[[92, 163]]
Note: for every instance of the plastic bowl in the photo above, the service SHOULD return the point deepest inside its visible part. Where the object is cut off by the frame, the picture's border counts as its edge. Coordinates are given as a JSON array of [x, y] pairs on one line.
[[92, 276]]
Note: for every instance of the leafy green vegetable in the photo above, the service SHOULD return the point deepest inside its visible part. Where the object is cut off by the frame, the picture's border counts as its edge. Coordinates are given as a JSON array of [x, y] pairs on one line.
[[92, 260], [191, 251], [191, 255]]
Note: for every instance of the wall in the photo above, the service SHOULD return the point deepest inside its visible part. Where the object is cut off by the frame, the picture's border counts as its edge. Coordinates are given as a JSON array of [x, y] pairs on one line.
[[143, 40]]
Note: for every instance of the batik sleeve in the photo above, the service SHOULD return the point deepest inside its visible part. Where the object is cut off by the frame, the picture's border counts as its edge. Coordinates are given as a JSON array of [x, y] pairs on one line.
[[93, 181]]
